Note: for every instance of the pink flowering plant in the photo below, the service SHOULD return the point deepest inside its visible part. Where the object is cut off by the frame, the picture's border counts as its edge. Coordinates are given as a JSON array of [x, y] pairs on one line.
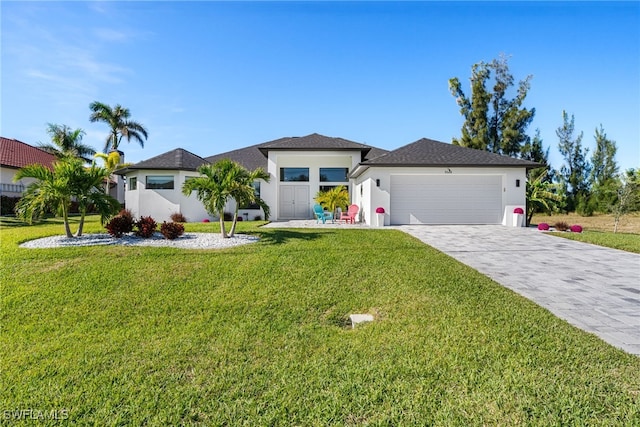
[[576, 228], [543, 226]]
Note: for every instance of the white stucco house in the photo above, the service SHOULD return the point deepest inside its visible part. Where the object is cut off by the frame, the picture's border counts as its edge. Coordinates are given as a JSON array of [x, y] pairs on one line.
[[425, 182]]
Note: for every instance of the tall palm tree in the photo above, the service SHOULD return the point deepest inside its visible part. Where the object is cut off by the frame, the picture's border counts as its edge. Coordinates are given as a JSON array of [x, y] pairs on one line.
[[54, 189], [66, 142], [118, 119]]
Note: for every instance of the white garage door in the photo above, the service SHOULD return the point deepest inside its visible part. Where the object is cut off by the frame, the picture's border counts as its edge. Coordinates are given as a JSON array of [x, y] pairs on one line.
[[446, 199]]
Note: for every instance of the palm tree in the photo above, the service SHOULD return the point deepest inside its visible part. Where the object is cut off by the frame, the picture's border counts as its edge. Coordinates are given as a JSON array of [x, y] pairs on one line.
[[66, 142], [118, 119], [244, 193], [222, 181], [55, 188], [541, 194], [337, 197], [213, 189], [111, 164]]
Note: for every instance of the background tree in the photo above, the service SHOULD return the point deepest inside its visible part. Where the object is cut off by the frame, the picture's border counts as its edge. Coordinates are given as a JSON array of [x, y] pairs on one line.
[[574, 173], [628, 196], [54, 189], [604, 178], [66, 142], [493, 122], [119, 120], [111, 164]]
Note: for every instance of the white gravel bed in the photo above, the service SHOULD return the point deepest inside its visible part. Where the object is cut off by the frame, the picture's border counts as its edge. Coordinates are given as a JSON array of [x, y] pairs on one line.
[[186, 241]]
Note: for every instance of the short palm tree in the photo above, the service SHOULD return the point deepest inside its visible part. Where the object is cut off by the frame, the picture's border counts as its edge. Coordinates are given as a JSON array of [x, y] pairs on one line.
[[66, 142], [337, 197], [541, 194], [55, 188], [118, 119], [244, 193], [222, 181], [111, 164]]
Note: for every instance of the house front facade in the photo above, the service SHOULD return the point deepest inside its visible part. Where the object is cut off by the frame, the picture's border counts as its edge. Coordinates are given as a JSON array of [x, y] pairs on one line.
[[15, 155], [426, 182]]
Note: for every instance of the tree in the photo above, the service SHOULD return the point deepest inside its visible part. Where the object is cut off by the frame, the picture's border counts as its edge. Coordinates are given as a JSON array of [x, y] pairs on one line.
[[244, 193], [111, 164], [542, 195], [337, 197], [66, 142], [628, 196], [221, 181], [493, 122], [118, 119], [55, 188], [574, 173], [604, 171]]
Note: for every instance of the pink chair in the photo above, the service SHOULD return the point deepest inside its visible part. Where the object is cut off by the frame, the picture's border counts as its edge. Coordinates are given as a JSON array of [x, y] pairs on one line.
[[350, 215]]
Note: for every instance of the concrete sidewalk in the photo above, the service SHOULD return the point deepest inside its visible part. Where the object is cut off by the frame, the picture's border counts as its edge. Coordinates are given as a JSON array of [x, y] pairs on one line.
[[594, 288]]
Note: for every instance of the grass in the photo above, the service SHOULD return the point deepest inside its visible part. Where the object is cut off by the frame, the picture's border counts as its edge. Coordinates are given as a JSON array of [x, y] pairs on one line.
[[255, 335], [598, 230]]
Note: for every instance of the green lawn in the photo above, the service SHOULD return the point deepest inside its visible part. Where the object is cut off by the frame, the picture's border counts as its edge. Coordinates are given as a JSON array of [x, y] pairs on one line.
[[255, 335], [623, 241]]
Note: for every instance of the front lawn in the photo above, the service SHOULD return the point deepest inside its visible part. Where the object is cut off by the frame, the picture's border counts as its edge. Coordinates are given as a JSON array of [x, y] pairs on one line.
[[255, 335]]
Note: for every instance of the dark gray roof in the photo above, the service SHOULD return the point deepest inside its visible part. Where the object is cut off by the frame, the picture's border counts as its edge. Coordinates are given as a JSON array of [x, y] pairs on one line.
[[250, 157], [427, 152], [256, 155], [178, 159], [312, 142]]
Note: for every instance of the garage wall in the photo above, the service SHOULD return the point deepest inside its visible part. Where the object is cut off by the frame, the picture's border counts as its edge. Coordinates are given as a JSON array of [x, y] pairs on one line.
[[510, 196]]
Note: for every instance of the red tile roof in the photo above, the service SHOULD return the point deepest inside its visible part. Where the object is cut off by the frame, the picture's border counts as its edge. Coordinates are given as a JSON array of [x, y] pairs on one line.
[[17, 154]]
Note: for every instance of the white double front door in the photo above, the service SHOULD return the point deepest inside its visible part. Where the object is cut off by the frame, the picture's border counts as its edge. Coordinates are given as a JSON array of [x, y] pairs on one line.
[[294, 202]]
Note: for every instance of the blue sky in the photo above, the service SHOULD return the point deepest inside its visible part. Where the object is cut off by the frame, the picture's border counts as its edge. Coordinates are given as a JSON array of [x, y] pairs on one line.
[[214, 76]]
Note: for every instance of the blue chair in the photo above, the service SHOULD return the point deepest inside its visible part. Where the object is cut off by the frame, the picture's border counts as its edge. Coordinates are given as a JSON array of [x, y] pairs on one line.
[[321, 214]]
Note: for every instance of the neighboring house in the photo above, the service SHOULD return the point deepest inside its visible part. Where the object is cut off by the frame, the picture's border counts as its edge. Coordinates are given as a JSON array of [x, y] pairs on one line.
[[427, 182], [14, 155]]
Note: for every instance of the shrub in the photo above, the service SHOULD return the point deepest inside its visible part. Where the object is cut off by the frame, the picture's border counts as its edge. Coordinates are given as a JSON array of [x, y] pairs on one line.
[[178, 217], [206, 220], [120, 224], [561, 226], [576, 228], [257, 218], [171, 230], [543, 226], [146, 227], [227, 216]]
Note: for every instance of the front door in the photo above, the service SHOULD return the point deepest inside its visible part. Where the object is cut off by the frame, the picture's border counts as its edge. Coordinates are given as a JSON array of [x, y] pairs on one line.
[[294, 202]]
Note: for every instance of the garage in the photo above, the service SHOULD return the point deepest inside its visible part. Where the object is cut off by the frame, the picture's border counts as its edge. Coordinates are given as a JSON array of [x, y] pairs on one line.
[[446, 199]]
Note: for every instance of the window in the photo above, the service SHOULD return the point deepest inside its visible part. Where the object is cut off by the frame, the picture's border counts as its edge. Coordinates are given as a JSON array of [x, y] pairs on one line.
[[334, 174], [294, 174], [256, 191], [159, 182], [133, 183]]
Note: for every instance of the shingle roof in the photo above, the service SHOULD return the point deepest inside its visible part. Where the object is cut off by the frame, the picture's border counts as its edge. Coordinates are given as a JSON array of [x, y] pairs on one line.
[[313, 142], [427, 152], [250, 157], [17, 154], [256, 155], [178, 159]]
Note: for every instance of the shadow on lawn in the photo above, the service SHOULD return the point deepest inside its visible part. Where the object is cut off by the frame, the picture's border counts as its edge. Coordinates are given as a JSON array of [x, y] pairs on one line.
[[279, 236]]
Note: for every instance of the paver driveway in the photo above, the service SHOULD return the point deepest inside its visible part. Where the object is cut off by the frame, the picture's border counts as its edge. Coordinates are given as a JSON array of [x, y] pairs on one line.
[[594, 288]]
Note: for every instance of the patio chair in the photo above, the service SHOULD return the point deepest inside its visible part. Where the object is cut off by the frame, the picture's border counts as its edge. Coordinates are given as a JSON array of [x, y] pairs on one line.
[[350, 215], [321, 214]]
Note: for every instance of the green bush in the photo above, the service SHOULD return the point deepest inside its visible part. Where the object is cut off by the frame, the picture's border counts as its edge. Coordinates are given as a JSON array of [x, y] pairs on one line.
[[7, 205]]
